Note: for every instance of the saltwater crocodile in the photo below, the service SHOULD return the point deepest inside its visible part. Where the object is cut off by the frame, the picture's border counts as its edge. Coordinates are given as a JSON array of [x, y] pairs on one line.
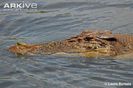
[[88, 43]]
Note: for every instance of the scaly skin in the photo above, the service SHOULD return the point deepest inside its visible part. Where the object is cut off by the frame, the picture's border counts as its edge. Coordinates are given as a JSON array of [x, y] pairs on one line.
[[88, 43]]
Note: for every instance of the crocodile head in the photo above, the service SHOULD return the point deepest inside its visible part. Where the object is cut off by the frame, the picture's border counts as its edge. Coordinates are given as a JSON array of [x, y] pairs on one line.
[[88, 43]]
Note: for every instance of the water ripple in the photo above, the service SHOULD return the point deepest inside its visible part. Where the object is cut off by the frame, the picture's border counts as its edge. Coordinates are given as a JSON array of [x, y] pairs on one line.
[[57, 20]]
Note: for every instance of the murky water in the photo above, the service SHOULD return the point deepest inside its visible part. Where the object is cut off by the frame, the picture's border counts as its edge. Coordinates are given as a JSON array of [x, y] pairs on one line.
[[57, 20]]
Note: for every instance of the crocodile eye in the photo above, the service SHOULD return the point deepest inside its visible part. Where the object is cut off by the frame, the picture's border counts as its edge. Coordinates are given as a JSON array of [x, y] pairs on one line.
[[108, 38], [111, 39]]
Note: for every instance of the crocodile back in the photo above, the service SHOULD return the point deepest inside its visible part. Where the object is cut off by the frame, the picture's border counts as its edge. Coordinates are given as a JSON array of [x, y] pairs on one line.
[[123, 43]]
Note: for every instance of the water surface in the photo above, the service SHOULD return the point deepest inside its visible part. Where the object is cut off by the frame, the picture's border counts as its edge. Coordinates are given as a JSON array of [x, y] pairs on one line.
[[57, 20]]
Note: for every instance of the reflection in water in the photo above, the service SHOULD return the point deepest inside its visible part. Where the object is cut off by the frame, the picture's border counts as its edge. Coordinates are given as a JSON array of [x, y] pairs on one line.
[[57, 20]]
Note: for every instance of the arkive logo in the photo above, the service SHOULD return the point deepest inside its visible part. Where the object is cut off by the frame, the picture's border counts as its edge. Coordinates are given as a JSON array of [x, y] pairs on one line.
[[20, 5]]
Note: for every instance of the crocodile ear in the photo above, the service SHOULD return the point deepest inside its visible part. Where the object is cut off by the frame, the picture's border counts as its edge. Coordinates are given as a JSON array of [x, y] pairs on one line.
[[108, 37]]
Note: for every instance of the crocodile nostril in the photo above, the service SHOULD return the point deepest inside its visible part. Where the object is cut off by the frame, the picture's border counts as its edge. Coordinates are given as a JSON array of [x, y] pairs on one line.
[[95, 47]]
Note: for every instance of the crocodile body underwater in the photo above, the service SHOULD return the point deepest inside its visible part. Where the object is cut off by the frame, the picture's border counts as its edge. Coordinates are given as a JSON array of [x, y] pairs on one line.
[[88, 43]]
